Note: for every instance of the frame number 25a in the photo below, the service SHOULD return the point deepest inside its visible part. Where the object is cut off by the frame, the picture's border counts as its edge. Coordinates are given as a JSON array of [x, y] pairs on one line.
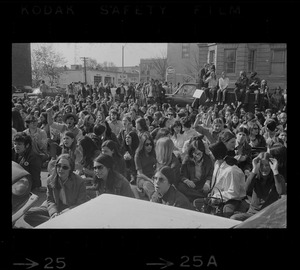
[[198, 261]]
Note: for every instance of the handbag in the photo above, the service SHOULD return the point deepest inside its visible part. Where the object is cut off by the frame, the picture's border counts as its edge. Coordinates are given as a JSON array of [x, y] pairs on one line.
[[210, 204]]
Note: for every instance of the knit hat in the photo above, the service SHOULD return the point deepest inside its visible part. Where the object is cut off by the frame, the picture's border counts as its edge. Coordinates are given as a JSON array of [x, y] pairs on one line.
[[218, 149], [226, 135], [106, 160], [168, 173], [271, 124], [68, 115]]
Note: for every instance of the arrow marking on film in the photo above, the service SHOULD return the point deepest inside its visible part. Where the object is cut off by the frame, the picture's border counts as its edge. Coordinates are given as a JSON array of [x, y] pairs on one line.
[[31, 263], [164, 264]]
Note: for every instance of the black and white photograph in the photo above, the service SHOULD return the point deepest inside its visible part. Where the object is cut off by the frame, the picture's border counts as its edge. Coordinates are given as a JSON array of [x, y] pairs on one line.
[[149, 135]]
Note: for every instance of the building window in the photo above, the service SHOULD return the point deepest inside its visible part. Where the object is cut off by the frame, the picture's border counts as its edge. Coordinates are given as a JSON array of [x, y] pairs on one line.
[[185, 50], [97, 79], [251, 60], [278, 62], [229, 61], [212, 56]]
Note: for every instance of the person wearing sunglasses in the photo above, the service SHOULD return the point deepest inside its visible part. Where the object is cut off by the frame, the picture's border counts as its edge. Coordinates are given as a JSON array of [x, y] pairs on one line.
[[65, 190], [168, 194], [107, 180], [145, 163], [255, 138]]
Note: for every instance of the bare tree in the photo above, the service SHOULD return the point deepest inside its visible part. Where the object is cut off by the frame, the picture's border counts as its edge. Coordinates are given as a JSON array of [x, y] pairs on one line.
[[109, 66], [160, 64], [36, 71], [91, 63], [192, 69], [47, 63]]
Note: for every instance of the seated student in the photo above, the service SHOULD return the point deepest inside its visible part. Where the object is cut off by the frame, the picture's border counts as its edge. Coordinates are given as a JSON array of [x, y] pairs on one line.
[[130, 146], [24, 155], [108, 180], [211, 134], [110, 148], [88, 124], [282, 125], [38, 136], [115, 124], [177, 137], [282, 138], [167, 192], [164, 150], [188, 131], [69, 146], [145, 163], [269, 132], [255, 138], [127, 128], [65, 190], [243, 150], [279, 152], [89, 151], [227, 180], [266, 185], [196, 171]]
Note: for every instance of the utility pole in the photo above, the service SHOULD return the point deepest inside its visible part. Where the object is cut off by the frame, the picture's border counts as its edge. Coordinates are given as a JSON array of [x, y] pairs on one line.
[[84, 64], [123, 61]]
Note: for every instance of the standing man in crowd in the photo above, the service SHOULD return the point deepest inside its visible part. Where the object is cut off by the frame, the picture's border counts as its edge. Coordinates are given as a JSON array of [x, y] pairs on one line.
[[44, 89]]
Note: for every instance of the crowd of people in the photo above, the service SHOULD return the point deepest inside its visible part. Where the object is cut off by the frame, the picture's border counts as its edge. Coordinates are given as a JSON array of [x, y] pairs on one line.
[[135, 144]]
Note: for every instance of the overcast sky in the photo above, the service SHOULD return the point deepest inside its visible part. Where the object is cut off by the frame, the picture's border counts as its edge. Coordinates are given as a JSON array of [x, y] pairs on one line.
[[110, 52]]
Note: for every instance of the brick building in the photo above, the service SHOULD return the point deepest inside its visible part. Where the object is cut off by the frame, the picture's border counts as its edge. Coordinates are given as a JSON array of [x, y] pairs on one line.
[[77, 73], [21, 64], [269, 60]]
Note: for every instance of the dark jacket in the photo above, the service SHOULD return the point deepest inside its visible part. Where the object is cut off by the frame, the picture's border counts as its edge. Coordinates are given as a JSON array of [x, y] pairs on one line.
[[188, 170], [242, 83], [264, 193], [174, 197], [32, 163], [175, 165], [120, 187], [120, 165], [75, 193]]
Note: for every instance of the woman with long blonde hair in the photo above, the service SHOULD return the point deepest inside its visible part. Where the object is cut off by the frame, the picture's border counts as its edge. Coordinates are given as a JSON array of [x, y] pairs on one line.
[[165, 157]]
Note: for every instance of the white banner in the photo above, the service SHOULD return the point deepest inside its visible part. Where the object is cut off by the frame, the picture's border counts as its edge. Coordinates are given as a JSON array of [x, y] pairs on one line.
[[198, 93]]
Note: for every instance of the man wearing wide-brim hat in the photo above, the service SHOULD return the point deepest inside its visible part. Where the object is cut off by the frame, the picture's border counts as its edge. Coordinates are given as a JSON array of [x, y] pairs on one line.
[[70, 121]]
